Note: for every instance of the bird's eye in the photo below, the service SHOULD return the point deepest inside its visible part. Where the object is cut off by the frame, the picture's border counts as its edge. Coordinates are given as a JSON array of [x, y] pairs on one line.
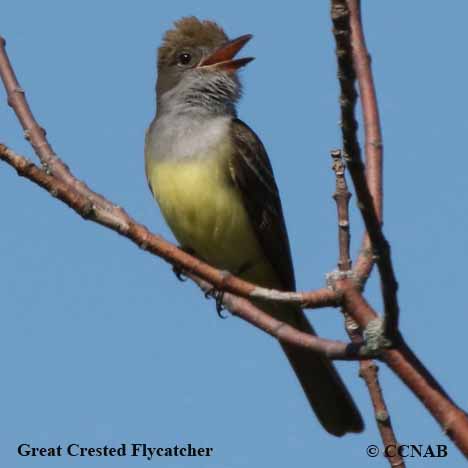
[[185, 58]]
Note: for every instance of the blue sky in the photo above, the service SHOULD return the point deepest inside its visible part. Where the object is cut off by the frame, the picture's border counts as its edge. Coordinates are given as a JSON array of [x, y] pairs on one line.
[[102, 345]]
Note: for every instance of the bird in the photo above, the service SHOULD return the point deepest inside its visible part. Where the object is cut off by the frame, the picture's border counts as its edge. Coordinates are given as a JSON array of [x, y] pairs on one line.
[[213, 181]]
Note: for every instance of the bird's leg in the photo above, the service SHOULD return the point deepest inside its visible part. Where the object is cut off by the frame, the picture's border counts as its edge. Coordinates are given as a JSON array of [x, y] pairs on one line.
[[176, 268], [212, 292], [218, 294]]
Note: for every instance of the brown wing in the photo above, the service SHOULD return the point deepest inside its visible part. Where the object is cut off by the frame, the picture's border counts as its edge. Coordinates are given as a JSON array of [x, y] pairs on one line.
[[253, 175]]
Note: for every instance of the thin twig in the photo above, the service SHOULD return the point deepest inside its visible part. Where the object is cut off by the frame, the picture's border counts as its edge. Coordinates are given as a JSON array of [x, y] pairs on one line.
[[373, 145], [342, 197], [367, 368], [352, 155], [368, 372]]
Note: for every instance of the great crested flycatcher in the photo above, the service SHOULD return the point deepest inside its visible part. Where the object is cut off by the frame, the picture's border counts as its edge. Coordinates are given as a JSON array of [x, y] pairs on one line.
[[214, 184]]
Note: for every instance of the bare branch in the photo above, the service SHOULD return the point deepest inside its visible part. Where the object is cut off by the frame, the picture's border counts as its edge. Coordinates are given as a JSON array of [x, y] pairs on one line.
[[373, 145], [367, 368], [352, 155], [369, 372], [342, 197], [141, 236]]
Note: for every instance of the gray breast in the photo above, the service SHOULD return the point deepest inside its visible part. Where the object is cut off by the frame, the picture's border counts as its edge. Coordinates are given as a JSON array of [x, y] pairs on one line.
[[177, 137]]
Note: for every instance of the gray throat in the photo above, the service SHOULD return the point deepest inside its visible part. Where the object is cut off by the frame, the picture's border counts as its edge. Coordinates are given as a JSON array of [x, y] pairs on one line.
[[201, 93], [192, 118]]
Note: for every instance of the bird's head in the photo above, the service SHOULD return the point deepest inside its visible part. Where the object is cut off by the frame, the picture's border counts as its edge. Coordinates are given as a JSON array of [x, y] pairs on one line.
[[197, 66]]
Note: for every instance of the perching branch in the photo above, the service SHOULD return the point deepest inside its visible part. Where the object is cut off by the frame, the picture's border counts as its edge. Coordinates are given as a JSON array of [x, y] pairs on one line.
[[148, 241], [244, 309]]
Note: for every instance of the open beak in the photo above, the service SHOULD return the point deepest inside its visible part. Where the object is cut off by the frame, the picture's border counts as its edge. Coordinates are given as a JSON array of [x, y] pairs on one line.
[[223, 58]]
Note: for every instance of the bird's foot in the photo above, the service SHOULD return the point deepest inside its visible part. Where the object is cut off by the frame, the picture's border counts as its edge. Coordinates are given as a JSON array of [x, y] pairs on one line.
[[218, 295], [178, 271]]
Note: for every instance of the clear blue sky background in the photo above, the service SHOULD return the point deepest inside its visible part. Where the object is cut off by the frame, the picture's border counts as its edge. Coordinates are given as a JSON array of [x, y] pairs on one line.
[[100, 343]]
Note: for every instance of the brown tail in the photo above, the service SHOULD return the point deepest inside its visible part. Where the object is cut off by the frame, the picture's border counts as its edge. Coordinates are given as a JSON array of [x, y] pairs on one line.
[[321, 383]]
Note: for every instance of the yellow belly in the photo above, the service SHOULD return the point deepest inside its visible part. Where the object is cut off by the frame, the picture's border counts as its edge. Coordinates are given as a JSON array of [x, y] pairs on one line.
[[205, 212]]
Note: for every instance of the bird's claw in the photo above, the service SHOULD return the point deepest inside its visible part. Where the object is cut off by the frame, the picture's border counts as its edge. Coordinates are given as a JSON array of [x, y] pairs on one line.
[[218, 297], [179, 273]]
